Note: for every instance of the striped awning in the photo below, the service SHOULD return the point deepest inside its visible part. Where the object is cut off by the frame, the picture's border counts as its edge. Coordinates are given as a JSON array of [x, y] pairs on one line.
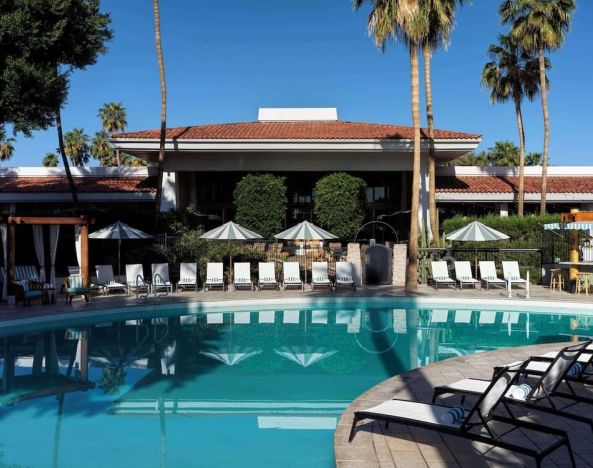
[[230, 231], [119, 230], [305, 231], [574, 226]]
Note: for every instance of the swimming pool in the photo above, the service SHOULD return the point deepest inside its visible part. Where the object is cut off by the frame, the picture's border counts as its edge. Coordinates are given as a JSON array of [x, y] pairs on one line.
[[229, 385]]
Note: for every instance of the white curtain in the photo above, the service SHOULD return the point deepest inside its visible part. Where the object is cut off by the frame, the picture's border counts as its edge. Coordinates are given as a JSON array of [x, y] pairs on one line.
[[77, 244], [39, 249], [54, 234], [4, 234]]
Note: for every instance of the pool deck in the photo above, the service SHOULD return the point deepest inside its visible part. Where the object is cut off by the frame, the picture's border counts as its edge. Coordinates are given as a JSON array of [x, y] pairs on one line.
[[405, 446]]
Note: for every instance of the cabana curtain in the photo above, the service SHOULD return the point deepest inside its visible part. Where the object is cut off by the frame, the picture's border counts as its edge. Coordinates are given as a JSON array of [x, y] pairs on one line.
[[4, 233], [39, 249], [54, 234], [77, 244]]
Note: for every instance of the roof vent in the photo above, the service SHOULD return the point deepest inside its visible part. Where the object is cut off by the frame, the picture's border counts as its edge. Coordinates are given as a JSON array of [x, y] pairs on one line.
[[296, 114]]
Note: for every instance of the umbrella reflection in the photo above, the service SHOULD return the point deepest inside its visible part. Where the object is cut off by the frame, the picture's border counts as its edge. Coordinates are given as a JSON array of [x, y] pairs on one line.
[[305, 356]]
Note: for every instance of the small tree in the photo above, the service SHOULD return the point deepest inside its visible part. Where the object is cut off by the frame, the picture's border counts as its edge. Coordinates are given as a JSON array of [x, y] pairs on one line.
[[260, 201], [339, 203]]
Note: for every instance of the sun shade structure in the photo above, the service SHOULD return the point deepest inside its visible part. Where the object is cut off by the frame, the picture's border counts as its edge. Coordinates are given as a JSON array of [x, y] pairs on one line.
[[230, 231], [574, 226], [476, 232], [305, 356], [119, 231], [305, 231]]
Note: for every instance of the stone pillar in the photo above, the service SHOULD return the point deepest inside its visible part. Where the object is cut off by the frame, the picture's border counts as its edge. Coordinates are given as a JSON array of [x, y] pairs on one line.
[[400, 261], [169, 193], [355, 258]]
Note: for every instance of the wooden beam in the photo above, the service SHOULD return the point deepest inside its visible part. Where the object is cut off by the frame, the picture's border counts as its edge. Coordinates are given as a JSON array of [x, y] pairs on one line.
[[84, 355], [10, 245], [84, 220]]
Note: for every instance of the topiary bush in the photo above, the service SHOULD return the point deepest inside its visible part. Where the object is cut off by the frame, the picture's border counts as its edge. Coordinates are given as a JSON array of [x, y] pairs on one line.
[[339, 203], [260, 201]]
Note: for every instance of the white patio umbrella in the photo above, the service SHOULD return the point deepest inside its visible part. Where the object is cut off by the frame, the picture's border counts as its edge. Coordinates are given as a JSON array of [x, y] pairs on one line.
[[119, 231], [304, 356], [476, 232]]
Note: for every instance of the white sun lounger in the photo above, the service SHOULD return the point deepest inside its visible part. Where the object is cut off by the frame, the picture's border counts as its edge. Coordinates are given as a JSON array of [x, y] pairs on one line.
[[463, 316], [214, 276], [266, 316], [440, 274], [345, 275], [439, 315], [510, 271], [292, 276], [267, 275], [160, 277], [487, 317], [106, 279], [320, 276], [135, 278], [242, 276], [188, 276], [488, 275], [463, 274]]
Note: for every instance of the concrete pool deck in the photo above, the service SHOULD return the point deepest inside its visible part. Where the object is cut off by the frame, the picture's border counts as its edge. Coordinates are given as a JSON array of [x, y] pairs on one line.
[[404, 446]]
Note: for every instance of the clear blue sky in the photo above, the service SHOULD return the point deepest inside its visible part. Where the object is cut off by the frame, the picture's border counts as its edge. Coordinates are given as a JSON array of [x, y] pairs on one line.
[[226, 59]]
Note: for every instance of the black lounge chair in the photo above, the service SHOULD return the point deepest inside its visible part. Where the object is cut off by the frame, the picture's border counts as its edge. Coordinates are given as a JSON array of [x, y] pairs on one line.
[[473, 424], [544, 389]]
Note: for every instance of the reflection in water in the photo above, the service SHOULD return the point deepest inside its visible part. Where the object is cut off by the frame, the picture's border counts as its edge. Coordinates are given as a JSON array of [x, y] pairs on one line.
[[168, 391]]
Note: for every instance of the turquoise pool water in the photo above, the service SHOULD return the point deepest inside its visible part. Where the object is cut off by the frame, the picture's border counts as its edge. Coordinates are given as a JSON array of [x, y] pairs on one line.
[[244, 387]]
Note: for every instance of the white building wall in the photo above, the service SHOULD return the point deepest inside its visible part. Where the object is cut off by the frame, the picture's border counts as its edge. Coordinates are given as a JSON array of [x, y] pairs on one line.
[[170, 192]]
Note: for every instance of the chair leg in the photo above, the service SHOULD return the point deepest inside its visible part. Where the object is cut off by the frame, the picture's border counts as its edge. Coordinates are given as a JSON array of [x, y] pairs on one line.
[[353, 429]]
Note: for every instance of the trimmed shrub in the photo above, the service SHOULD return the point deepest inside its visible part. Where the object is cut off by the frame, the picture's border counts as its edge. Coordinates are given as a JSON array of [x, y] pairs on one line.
[[260, 201], [339, 203]]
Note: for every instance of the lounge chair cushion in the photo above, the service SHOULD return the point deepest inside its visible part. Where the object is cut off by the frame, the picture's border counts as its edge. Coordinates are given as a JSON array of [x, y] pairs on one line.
[[423, 412]]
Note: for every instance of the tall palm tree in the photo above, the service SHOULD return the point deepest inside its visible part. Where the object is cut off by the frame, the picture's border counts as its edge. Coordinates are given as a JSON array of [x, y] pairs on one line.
[[6, 148], [539, 26], [405, 21], [512, 74], [62, 149], [76, 146], [161, 64], [113, 116], [50, 160], [102, 150]]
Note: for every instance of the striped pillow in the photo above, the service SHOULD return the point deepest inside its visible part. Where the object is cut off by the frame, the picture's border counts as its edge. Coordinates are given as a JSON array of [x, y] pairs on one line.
[[75, 281]]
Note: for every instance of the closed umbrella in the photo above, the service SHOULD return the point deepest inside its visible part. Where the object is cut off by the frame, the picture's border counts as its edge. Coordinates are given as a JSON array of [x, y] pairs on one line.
[[119, 231]]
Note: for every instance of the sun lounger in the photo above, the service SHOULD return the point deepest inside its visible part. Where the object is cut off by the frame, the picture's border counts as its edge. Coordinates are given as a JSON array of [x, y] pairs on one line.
[[266, 316], [292, 276], [267, 275], [473, 424], [106, 279], [463, 316], [440, 274], [135, 279], [214, 276], [160, 278], [319, 276], [345, 275], [188, 276], [242, 276], [488, 275], [541, 395], [439, 316], [510, 271], [463, 274]]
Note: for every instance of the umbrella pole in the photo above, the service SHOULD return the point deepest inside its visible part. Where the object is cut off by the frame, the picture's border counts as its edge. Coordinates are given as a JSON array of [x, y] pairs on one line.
[[119, 259]]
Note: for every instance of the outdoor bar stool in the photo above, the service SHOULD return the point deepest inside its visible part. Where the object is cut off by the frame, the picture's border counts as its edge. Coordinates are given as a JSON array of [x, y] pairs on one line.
[[556, 279], [582, 284]]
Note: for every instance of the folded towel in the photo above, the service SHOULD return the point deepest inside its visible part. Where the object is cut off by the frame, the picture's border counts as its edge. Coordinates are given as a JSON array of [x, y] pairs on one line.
[[453, 416], [521, 392], [575, 369]]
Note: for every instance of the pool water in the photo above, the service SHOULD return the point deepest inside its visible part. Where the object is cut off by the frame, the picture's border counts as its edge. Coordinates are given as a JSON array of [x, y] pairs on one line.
[[241, 388]]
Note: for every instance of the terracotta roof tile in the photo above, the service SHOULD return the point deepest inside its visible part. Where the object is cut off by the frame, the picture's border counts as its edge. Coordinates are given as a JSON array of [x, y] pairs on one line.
[[510, 184], [300, 130], [13, 184]]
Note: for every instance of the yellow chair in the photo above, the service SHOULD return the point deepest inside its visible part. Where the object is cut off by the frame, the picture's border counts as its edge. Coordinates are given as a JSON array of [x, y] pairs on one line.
[[556, 279], [582, 284]]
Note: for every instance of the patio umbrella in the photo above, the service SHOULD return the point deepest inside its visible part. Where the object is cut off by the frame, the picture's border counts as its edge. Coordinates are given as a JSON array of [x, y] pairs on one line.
[[228, 232], [304, 356], [119, 231], [476, 232]]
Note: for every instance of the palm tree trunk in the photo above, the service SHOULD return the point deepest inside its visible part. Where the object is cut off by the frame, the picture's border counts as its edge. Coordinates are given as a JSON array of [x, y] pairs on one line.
[[432, 201], [544, 94], [521, 199], [159, 52], [65, 161], [412, 268]]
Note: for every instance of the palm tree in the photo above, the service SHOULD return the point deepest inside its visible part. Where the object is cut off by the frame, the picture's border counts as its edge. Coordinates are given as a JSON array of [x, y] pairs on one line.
[[113, 116], [50, 160], [161, 64], [62, 149], [6, 148], [512, 74], [76, 146], [441, 18], [102, 150], [539, 26], [131, 161]]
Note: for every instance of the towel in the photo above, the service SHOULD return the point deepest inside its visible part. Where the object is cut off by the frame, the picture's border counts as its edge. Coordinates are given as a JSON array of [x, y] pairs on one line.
[[521, 392], [453, 416], [575, 369]]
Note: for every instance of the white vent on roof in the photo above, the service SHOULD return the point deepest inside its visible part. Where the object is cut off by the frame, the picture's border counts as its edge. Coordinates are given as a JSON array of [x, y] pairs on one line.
[[267, 114]]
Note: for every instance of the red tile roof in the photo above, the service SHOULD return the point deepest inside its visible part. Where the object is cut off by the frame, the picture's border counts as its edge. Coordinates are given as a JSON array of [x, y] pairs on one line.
[[14, 184], [510, 184], [298, 130]]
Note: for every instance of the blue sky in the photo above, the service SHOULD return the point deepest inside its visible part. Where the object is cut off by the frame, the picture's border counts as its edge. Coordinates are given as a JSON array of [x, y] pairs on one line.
[[226, 59]]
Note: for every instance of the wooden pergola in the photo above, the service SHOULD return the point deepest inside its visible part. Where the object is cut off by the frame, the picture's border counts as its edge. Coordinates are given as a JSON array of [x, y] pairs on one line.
[[13, 221]]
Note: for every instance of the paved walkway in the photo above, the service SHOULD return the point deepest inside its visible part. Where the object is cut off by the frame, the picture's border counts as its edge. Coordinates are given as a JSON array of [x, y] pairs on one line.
[[404, 446]]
